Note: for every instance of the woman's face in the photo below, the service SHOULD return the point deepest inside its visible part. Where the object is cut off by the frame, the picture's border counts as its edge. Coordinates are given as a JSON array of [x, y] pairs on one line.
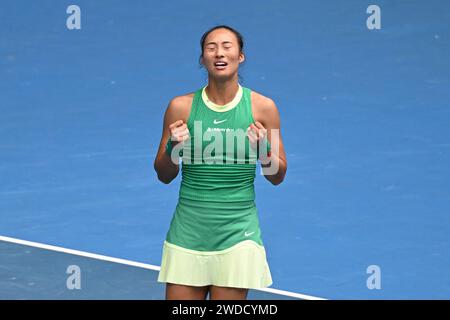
[[221, 54]]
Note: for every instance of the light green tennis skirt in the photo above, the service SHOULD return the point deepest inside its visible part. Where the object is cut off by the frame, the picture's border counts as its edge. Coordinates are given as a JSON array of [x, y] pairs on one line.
[[243, 265]]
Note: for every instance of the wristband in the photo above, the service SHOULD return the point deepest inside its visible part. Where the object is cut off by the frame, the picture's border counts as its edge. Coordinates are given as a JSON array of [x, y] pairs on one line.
[[169, 147], [268, 149]]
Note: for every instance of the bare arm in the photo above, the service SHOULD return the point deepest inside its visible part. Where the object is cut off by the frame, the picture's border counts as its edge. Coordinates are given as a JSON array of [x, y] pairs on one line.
[[270, 119], [174, 116]]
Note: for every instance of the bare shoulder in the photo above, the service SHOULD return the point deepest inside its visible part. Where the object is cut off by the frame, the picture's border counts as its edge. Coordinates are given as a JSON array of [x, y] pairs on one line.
[[180, 106], [182, 99], [261, 101], [262, 107]]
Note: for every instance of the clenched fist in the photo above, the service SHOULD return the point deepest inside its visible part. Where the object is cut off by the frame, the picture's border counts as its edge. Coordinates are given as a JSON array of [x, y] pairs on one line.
[[257, 135], [179, 132]]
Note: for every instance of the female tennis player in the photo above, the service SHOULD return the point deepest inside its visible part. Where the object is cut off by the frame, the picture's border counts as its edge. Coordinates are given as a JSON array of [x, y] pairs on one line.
[[214, 242]]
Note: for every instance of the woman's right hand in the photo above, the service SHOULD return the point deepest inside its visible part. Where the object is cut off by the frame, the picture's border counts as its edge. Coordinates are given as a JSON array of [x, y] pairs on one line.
[[179, 132]]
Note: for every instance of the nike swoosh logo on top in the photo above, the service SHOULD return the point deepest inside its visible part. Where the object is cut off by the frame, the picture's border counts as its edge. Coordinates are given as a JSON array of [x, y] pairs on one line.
[[249, 234], [217, 122]]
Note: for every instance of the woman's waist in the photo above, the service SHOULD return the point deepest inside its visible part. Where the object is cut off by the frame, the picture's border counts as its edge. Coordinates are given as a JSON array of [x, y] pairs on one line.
[[218, 203], [213, 207], [217, 193]]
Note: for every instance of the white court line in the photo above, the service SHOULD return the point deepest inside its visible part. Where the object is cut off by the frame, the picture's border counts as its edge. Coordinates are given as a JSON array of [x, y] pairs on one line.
[[134, 264]]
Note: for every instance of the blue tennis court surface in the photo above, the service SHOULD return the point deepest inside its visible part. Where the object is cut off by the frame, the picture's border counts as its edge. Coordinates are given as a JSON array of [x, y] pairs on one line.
[[364, 118], [25, 276]]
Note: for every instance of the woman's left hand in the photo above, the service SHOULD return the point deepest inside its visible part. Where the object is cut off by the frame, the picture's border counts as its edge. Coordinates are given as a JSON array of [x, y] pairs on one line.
[[257, 135]]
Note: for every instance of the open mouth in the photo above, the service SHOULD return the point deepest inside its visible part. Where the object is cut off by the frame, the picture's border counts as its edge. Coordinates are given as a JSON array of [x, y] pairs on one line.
[[220, 65]]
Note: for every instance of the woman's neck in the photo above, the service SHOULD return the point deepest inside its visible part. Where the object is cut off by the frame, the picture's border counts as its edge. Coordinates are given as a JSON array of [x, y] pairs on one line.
[[222, 92]]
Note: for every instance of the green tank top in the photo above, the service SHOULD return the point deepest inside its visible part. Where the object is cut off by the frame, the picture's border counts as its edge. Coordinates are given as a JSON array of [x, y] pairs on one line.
[[231, 177], [216, 207]]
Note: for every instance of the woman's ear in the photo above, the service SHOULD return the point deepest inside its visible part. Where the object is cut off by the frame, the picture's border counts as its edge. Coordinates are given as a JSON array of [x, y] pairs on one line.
[[241, 57]]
